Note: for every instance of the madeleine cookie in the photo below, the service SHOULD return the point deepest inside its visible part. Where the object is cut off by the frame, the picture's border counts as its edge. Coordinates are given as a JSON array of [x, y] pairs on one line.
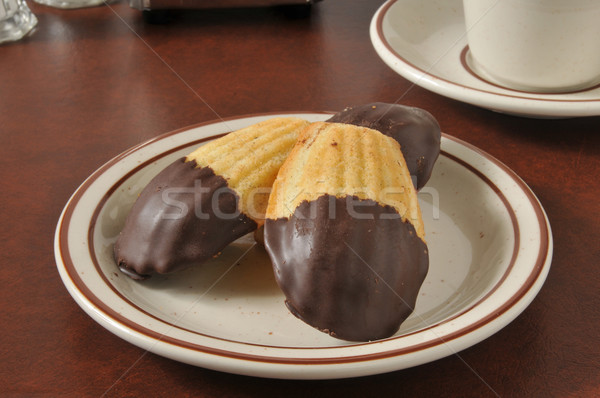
[[344, 232], [415, 129], [200, 203]]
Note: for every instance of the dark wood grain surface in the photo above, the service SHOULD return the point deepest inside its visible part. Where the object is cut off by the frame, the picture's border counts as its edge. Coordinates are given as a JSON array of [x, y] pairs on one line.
[[91, 83]]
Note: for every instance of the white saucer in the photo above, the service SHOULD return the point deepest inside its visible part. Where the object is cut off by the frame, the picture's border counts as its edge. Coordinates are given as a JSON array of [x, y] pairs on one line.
[[425, 42], [490, 250]]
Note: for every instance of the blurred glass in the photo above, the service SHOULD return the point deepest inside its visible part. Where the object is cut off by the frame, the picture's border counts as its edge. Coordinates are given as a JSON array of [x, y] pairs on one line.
[[72, 3], [16, 20]]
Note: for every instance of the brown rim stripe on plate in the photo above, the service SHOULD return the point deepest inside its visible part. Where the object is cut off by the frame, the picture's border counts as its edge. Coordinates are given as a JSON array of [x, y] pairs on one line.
[[388, 46], [78, 283]]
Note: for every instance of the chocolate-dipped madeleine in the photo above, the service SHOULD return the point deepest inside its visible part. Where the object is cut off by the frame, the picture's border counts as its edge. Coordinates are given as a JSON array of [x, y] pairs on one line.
[[199, 204], [344, 232], [415, 129]]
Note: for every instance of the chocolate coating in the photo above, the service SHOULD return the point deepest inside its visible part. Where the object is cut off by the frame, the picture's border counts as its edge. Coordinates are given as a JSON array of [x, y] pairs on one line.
[[415, 129], [352, 272], [183, 217]]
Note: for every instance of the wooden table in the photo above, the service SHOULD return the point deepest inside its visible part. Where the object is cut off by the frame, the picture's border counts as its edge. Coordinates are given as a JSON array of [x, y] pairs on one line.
[[90, 83]]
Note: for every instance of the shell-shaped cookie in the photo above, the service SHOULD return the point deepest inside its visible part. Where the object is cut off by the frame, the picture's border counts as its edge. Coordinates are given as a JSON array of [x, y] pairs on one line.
[[344, 232], [199, 204]]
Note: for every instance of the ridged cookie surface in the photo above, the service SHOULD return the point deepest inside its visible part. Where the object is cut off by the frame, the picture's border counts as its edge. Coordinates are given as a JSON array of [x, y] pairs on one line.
[[415, 129], [249, 160], [345, 160], [344, 233]]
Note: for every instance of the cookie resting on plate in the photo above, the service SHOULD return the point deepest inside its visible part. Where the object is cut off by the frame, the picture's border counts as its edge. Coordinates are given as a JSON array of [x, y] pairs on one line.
[[344, 232], [199, 204]]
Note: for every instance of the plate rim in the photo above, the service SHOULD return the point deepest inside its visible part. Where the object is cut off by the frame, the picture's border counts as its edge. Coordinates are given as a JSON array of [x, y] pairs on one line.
[[541, 268], [513, 102]]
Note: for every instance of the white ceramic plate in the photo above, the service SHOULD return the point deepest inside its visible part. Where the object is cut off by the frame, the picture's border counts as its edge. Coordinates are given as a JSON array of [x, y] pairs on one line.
[[490, 250], [425, 42]]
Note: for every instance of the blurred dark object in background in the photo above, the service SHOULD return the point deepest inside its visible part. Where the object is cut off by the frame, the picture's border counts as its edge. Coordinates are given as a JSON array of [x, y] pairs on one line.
[[157, 11]]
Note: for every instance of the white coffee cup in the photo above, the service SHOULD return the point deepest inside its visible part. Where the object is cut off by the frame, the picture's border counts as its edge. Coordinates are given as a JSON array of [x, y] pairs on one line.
[[535, 45]]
